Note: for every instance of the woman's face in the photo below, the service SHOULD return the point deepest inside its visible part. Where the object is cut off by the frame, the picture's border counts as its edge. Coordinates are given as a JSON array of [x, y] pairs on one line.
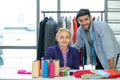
[[63, 39]]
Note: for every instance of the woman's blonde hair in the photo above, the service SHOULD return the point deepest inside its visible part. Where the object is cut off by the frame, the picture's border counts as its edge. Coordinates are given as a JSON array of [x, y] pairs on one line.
[[61, 30]]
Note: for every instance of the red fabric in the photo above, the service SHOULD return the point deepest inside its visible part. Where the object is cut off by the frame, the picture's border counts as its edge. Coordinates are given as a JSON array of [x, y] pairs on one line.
[[113, 73], [78, 74], [75, 25]]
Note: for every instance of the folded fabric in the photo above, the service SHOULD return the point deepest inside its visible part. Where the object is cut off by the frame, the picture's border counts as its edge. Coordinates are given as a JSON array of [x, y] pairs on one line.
[[102, 73], [113, 73], [23, 72], [90, 76], [79, 73], [98, 75]]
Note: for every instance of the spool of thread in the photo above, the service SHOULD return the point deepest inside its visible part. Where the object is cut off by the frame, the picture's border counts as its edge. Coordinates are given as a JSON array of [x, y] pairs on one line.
[[51, 69], [61, 73], [57, 67], [65, 73], [35, 68], [45, 69], [39, 67], [48, 60], [42, 61], [71, 73]]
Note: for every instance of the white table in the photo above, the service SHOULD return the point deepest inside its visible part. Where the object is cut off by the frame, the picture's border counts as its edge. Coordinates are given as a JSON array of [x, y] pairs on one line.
[[11, 74]]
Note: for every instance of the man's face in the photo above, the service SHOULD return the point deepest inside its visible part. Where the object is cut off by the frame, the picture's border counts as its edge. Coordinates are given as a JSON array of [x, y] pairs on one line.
[[85, 21]]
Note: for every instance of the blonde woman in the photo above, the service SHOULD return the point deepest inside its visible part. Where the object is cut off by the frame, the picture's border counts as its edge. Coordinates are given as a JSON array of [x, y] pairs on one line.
[[68, 56]]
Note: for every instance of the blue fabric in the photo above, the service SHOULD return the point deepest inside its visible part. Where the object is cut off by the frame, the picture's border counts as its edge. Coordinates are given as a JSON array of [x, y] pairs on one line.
[[99, 74], [73, 58], [102, 73]]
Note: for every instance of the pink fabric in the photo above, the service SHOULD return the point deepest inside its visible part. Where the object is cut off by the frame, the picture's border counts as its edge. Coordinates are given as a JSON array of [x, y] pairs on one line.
[[23, 72]]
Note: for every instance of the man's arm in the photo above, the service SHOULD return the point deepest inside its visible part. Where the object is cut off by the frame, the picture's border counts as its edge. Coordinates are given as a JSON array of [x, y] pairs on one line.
[[78, 43], [111, 63]]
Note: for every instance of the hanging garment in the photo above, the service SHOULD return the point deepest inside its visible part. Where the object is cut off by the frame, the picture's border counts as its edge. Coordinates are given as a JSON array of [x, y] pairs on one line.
[[50, 33], [83, 56], [61, 23], [40, 50], [69, 25], [75, 26]]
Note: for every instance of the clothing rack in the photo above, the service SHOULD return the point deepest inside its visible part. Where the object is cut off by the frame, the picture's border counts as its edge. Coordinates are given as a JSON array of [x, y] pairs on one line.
[[44, 12]]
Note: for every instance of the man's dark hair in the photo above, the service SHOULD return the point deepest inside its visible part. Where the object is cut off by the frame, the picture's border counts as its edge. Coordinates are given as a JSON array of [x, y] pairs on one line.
[[83, 12]]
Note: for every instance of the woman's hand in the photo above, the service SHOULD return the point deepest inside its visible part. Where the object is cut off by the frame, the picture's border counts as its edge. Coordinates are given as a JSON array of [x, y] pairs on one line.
[[65, 68]]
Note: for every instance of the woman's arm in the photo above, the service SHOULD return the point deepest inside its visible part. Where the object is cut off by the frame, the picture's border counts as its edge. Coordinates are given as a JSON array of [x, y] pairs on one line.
[[48, 54]]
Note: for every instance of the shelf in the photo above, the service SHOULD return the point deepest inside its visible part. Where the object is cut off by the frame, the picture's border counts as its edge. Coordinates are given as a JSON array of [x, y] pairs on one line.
[[113, 9], [113, 18], [113, 22], [113, 0]]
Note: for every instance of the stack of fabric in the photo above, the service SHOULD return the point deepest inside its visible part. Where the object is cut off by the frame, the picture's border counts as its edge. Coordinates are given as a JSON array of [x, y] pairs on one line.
[[97, 74]]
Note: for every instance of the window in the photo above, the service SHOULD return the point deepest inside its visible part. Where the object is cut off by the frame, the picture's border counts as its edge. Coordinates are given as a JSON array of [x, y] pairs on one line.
[[70, 5], [44, 6], [18, 31], [75, 5], [18, 22]]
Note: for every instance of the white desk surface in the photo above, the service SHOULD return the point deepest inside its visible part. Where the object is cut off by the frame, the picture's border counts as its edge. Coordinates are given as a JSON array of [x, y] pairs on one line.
[[11, 74]]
